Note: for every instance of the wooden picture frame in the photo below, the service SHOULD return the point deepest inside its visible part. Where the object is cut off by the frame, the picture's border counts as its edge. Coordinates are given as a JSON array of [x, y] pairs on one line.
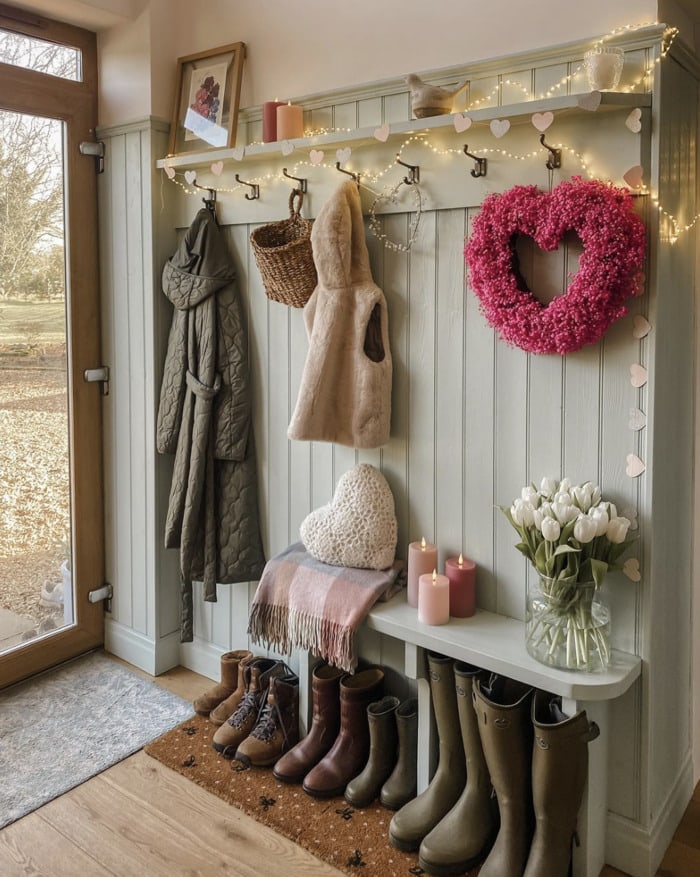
[[207, 94]]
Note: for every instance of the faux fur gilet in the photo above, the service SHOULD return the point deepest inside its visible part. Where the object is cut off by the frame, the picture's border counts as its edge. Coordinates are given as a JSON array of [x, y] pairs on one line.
[[345, 390]]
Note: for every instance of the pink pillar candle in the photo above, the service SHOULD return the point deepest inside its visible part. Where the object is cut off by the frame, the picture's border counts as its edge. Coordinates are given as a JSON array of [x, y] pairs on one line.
[[433, 599], [422, 558], [462, 576], [290, 122], [269, 120]]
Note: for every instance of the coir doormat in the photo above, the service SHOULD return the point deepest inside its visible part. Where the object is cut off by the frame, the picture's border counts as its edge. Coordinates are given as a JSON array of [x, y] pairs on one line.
[[354, 841]]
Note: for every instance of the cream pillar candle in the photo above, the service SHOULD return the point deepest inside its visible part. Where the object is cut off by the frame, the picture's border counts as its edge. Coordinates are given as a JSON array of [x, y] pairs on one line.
[[290, 122]]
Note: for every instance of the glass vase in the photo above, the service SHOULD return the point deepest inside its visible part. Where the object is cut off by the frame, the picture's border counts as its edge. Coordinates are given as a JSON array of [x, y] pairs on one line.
[[567, 625]]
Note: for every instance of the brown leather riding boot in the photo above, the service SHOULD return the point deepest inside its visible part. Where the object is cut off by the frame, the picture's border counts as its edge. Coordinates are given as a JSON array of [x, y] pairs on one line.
[[277, 728], [325, 724], [503, 715], [233, 732], [559, 771], [229, 706], [350, 752], [401, 786], [212, 697], [383, 749]]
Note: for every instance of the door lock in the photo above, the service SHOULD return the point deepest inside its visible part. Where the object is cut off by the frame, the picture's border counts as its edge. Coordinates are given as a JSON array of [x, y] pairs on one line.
[[101, 375]]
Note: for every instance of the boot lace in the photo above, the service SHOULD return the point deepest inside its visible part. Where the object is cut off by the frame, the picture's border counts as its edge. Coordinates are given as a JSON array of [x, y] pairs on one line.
[[247, 706], [270, 720]]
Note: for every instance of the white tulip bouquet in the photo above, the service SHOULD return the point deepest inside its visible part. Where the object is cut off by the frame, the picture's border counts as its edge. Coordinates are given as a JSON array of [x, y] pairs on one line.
[[572, 538]]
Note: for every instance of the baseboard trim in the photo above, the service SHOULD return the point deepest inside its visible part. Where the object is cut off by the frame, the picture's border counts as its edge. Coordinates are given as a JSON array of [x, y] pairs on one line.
[[202, 657], [638, 851], [151, 656]]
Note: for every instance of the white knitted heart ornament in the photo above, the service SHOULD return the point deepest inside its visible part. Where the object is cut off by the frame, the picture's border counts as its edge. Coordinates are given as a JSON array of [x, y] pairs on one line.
[[358, 527]]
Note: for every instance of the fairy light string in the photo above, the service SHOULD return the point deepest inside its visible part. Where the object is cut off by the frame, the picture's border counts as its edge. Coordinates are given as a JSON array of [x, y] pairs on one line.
[[374, 176]]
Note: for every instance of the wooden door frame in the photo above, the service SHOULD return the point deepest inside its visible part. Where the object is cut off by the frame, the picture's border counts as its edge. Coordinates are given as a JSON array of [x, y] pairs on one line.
[[74, 103]]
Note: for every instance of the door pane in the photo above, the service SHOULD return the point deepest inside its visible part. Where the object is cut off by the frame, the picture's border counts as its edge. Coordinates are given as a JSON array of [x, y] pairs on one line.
[[40, 55], [36, 594]]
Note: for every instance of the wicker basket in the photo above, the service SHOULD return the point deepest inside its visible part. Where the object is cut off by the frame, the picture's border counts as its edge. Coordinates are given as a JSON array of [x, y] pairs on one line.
[[283, 255]]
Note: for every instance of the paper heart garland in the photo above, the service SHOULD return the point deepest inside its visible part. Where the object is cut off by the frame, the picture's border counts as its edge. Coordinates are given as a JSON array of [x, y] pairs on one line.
[[316, 156], [631, 569], [382, 133], [499, 127], [217, 168], [590, 102], [170, 173], [635, 466], [634, 121], [190, 177], [287, 147], [343, 155], [239, 153], [358, 528], [638, 375], [641, 327], [462, 123], [542, 121], [638, 419], [633, 177]]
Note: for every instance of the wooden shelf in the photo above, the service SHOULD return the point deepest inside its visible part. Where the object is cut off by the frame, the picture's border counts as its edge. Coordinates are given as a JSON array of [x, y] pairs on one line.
[[496, 643], [515, 113]]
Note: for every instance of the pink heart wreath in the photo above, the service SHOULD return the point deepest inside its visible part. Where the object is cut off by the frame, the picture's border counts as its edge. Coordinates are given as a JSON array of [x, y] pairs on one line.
[[614, 241]]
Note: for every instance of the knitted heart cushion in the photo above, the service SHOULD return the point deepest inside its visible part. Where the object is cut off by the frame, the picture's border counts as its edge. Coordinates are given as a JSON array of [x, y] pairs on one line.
[[358, 527]]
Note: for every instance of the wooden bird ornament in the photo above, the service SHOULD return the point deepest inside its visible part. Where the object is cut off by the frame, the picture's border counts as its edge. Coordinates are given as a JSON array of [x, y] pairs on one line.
[[431, 100]]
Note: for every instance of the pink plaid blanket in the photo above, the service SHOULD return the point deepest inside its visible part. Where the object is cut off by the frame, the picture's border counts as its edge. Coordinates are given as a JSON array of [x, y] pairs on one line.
[[303, 603]]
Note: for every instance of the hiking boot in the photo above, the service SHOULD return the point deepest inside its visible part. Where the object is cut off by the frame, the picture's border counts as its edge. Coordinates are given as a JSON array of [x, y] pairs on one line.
[[277, 728]]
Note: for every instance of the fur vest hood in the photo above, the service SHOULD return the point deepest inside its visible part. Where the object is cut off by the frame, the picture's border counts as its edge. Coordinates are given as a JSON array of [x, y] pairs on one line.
[[345, 389]]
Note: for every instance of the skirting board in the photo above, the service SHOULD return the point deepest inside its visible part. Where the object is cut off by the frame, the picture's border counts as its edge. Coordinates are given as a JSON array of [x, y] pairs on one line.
[[638, 851], [151, 656]]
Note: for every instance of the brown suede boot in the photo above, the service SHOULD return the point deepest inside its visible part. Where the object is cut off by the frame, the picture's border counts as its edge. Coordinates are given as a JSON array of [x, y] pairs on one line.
[[559, 772], [325, 724], [212, 697], [233, 732], [383, 750], [228, 707], [349, 753], [277, 728], [401, 787]]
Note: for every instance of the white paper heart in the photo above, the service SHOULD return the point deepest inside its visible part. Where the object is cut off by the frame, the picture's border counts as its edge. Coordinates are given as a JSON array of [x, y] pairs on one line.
[[638, 375], [239, 153], [462, 123], [170, 173], [287, 147], [634, 121], [635, 466], [382, 133], [641, 327], [190, 177], [343, 155], [316, 156], [590, 102], [542, 121], [217, 168], [638, 419], [499, 127], [633, 176], [631, 569]]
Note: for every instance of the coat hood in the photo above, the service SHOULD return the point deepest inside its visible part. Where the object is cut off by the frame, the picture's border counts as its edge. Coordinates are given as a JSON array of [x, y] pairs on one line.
[[200, 267], [338, 240]]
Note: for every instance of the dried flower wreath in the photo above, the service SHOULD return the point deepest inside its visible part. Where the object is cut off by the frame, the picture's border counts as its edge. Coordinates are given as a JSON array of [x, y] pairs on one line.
[[613, 238]]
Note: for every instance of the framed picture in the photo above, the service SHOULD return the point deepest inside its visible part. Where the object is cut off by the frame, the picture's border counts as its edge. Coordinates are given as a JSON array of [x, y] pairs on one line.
[[206, 100]]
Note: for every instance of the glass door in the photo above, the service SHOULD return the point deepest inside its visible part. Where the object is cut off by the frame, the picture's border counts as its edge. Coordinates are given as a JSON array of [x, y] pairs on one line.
[[51, 530]]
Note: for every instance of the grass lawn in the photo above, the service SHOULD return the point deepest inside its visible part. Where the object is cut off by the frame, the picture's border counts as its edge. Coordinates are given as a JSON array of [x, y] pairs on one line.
[[29, 323]]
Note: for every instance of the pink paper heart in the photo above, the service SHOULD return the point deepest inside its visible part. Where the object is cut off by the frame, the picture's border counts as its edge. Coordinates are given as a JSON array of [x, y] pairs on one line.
[[590, 102], [631, 569], [542, 121], [633, 177], [190, 177], [634, 121], [316, 156], [287, 147], [382, 133], [499, 127], [635, 466], [343, 155], [217, 168], [641, 327], [638, 420], [170, 173], [462, 123], [239, 153], [638, 375]]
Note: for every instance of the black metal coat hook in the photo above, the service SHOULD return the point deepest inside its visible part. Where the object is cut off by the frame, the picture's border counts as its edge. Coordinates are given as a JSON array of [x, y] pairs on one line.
[[413, 171], [481, 166], [342, 170], [554, 159], [302, 182], [255, 193]]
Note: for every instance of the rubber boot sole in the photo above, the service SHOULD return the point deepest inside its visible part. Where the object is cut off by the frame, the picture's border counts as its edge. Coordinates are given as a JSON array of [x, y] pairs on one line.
[[405, 846]]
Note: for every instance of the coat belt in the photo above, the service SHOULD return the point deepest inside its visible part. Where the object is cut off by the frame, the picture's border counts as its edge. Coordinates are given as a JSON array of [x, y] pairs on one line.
[[202, 390]]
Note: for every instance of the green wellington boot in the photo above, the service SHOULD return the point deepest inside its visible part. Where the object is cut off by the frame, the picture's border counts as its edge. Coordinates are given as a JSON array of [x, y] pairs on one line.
[[383, 750], [400, 788]]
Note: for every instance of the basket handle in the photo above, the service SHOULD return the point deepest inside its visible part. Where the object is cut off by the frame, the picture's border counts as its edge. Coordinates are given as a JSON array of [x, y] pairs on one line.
[[295, 212]]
